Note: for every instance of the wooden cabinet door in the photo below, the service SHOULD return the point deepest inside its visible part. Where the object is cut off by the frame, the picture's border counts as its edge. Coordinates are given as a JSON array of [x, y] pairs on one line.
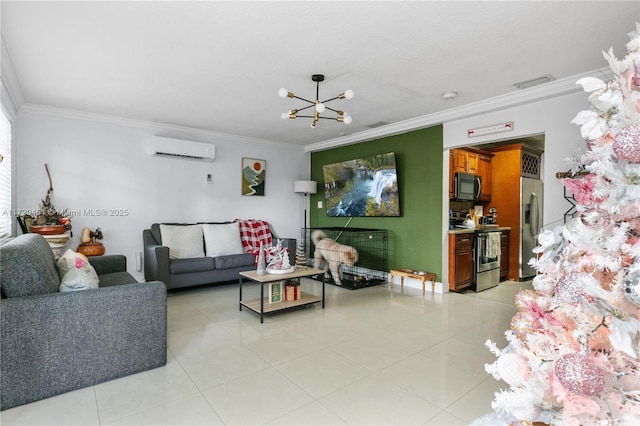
[[472, 163], [485, 172], [459, 161], [464, 269], [460, 261]]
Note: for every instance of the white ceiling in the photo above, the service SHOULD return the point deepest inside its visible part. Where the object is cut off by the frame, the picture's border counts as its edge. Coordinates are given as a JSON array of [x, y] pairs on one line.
[[217, 66]]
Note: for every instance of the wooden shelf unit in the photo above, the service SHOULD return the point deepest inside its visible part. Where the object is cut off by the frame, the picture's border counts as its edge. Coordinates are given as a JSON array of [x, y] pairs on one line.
[[306, 299]]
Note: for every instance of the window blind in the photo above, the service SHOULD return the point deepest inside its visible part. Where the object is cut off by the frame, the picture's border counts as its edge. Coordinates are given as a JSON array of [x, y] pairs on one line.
[[5, 176]]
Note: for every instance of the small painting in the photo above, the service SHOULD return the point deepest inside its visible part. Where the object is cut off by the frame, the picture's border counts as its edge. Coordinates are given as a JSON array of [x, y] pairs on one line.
[[253, 176], [275, 292]]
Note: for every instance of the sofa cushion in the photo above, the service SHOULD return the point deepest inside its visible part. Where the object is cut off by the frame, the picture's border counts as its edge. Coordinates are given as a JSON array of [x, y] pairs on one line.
[[235, 261], [28, 267], [196, 264], [116, 278], [222, 239], [184, 242]]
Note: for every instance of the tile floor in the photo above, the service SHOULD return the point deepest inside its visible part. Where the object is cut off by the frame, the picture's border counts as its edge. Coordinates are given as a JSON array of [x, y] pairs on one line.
[[373, 356]]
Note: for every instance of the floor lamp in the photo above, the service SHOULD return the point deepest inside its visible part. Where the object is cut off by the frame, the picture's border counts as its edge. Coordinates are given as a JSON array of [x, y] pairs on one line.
[[305, 187]]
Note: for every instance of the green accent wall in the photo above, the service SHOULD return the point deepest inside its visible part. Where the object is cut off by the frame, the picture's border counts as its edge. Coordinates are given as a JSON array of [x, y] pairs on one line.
[[415, 238]]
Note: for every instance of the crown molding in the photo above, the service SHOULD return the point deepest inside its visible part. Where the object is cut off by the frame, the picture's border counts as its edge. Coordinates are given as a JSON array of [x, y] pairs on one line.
[[552, 89], [142, 124], [9, 78]]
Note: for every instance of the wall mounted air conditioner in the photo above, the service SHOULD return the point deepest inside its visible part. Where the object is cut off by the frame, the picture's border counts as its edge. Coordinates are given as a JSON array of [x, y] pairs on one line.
[[178, 148]]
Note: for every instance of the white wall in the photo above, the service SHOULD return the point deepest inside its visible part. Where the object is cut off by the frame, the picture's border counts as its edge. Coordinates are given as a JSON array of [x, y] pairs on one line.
[[103, 165]]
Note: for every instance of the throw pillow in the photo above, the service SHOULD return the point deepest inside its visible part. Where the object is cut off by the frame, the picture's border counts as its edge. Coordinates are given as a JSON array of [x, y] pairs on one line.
[[184, 242], [77, 279], [71, 260], [222, 240]]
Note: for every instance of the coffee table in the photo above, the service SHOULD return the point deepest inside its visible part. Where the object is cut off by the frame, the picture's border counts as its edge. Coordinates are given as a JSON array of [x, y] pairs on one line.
[[262, 305]]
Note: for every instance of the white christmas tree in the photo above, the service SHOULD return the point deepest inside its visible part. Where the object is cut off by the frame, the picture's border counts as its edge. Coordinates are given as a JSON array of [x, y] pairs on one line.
[[573, 353]]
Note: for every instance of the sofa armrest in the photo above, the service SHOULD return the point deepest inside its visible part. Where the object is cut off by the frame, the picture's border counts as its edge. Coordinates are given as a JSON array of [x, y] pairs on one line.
[[156, 259], [58, 342], [109, 263]]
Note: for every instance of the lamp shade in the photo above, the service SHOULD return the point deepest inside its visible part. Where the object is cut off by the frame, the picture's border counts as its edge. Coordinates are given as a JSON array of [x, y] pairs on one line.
[[305, 186]]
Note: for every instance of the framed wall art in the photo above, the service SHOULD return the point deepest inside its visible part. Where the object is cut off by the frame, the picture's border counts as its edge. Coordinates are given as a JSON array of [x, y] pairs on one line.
[[253, 176]]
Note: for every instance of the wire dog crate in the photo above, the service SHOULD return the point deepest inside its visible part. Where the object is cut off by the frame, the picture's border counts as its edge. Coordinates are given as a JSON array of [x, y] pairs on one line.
[[371, 267]]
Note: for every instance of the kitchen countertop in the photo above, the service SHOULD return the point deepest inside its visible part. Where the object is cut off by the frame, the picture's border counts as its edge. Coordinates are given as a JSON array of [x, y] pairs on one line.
[[480, 228]]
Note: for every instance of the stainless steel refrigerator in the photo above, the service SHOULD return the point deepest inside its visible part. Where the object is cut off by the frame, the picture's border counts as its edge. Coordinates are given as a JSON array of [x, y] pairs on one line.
[[530, 222]]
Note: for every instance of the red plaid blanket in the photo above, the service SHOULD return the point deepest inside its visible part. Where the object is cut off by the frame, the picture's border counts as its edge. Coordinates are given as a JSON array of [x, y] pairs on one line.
[[252, 233]]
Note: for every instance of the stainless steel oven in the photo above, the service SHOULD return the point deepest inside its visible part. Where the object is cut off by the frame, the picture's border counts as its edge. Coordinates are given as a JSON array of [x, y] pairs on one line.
[[487, 261]]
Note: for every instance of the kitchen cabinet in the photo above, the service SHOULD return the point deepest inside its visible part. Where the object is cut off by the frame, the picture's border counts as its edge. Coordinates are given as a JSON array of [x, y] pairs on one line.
[[464, 161], [460, 261], [475, 162], [504, 255], [486, 175]]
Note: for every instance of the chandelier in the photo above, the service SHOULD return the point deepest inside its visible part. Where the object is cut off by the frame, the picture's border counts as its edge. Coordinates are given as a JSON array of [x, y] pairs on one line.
[[318, 106]]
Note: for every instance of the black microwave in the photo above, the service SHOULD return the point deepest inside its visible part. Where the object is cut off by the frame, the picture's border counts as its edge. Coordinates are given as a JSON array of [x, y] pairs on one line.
[[467, 187]]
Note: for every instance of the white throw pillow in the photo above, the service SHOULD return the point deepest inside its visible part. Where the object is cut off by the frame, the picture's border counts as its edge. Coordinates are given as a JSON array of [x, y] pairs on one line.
[[222, 239], [71, 260], [184, 241], [77, 279]]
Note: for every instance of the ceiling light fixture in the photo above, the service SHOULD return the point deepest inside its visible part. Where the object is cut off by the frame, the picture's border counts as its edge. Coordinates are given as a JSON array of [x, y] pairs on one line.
[[318, 106]]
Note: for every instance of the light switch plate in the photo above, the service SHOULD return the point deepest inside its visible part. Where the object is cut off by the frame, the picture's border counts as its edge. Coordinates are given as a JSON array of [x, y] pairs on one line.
[[319, 204]]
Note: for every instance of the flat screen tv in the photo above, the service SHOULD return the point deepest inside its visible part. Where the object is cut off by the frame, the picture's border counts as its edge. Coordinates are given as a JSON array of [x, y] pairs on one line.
[[362, 187]]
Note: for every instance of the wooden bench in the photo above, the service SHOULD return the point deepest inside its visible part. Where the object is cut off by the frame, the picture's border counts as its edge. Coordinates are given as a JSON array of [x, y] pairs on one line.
[[417, 275]]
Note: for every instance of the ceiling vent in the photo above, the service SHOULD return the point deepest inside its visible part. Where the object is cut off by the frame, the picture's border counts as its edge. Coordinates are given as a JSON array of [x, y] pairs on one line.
[[535, 82], [378, 124], [178, 148]]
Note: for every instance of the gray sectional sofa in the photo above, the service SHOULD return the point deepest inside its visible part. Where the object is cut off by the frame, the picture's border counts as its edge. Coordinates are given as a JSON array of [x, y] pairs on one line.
[[201, 268], [54, 342]]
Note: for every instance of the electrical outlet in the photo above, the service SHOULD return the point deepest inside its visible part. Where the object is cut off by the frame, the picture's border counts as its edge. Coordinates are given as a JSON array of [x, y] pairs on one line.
[[319, 204], [138, 261]]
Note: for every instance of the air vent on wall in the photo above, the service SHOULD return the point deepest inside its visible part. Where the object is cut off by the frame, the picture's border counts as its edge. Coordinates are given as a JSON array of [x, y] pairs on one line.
[[535, 82], [378, 124], [178, 148]]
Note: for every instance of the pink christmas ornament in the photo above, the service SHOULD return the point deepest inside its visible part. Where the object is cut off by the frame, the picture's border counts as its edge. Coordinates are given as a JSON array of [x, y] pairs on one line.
[[522, 324], [627, 143], [579, 375], [525, 298]]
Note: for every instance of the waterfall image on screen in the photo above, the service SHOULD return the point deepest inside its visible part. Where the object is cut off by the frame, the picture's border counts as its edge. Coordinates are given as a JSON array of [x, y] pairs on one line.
[[362, 187]]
